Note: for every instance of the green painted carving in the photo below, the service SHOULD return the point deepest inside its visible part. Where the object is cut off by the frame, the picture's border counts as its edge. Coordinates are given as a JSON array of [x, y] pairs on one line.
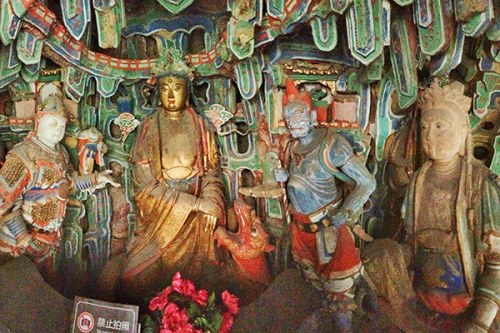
[[276, 8], [9, 23], [383, 127], [373, 72], [480, 22], [485, 92], [106, 86], [110, 21], [495, 163], [9, 65], [175, 6], [325, 32], [364, 30], [403, 2], [435, 27], [74, 82], [339, 6], [493, 32], [248, 77], [71, 261], [240, 36], [451, 58], [465, 10], [30, 73], [403, 62], [29, 48], [244, 10]]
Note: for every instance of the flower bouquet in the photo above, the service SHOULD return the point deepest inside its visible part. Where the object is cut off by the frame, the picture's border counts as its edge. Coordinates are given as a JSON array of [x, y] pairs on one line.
[[181, 308]]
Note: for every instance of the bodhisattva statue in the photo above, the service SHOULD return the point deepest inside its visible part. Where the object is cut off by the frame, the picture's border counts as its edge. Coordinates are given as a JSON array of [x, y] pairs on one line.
[[322, 165], [452, 220], [179, 194], [35, 183]]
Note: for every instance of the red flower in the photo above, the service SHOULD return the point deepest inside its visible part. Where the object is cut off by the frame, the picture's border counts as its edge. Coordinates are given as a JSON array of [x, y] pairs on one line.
[[160, 300], [231, 302], [201, 297], [227, 323]]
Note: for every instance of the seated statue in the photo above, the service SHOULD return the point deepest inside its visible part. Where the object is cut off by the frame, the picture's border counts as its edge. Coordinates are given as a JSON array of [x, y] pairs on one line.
[[35, 183], [179, 194], [322, 167], [452, 220]]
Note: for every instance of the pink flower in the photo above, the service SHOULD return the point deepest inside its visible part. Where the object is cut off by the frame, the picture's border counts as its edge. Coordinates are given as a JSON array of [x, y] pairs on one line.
[[170, 309], [188, 289], [160, 300], [201, 297], [227, 323], [175, 320], [177, 282], [231, 302]]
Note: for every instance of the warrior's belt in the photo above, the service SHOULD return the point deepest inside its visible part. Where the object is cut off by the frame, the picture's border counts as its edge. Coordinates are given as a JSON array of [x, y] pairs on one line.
[[316, 221]]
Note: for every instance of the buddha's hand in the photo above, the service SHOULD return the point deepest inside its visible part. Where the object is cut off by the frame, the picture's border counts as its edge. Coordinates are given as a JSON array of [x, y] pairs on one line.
[[211, 210], [104, 178]]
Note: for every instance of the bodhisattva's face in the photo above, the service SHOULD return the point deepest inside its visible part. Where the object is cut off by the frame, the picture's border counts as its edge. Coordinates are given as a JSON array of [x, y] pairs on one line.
[[443, 134], [298, 119], [173, 93]]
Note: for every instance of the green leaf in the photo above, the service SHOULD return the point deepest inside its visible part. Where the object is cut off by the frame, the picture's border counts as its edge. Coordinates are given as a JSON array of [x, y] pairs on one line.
[[216, 322], [211, 301], [193, 310]]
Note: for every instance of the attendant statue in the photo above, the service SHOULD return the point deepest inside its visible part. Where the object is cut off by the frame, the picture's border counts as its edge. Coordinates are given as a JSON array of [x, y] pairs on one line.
[[327, 187], [179, 195], [35, 183], [452, 220]]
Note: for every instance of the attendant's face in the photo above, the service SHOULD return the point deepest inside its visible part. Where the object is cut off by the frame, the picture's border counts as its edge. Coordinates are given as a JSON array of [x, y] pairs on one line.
[[51, 129], [443, 134], [173, 93], [298, 119]]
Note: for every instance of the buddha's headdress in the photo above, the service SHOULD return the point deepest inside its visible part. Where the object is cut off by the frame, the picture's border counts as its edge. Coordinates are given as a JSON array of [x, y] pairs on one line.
[[445, 97], [170, 61]]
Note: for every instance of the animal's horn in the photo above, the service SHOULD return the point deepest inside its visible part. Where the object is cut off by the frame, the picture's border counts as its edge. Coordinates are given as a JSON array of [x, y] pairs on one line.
[[242, 211]]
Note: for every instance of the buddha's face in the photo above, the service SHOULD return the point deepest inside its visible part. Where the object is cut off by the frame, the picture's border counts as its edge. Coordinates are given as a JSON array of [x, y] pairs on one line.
[[173, 93], [298, 119], [51, 129], [443, 134]]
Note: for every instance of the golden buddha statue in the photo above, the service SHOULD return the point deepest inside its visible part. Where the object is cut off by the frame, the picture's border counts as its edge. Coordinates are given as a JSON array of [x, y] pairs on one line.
[[179, 195]]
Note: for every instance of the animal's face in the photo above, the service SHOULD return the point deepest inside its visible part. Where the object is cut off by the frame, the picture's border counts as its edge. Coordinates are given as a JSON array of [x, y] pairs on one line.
[[251, 240]]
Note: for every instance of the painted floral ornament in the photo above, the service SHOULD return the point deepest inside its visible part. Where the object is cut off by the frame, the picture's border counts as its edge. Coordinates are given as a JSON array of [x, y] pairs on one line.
[[218, 116], [127, 123]]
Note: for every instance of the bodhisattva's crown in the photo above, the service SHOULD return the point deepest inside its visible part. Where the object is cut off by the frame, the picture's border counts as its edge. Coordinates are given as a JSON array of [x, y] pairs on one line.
[[447, 97], [171, 61]]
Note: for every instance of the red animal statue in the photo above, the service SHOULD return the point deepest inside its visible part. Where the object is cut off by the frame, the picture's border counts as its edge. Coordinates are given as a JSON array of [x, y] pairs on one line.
[[247, 265]]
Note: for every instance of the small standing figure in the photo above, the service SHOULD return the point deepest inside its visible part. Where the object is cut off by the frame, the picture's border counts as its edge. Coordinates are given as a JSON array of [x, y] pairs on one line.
[[322, 165], [452, 220], [35, 183]]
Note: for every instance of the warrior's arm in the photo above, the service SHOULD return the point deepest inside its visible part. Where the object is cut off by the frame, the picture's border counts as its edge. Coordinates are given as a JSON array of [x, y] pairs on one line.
[[341, 156], [365, 184]]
